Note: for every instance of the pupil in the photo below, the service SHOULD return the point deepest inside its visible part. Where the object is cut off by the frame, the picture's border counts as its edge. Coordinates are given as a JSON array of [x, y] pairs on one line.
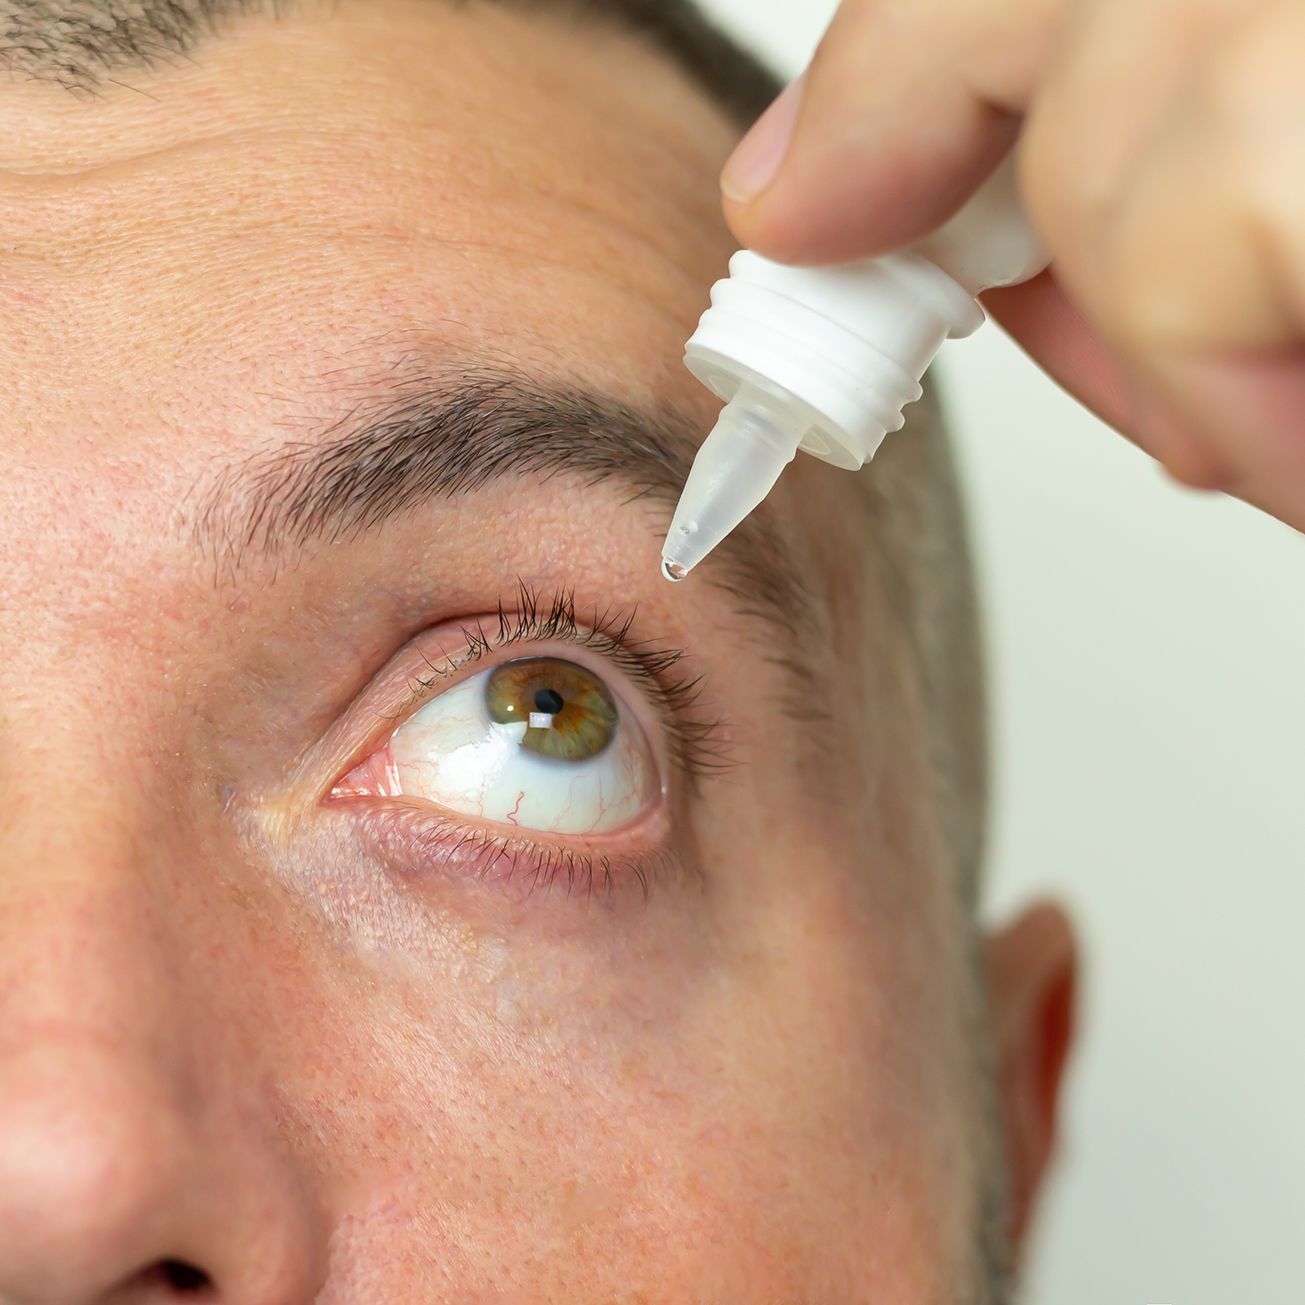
[[550, 701]]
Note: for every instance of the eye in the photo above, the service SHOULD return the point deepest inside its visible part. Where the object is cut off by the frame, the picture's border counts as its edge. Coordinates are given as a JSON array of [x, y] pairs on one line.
[[538, 743]]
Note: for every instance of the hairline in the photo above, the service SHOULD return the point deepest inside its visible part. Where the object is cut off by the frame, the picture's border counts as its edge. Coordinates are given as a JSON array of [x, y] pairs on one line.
[[82, 44]]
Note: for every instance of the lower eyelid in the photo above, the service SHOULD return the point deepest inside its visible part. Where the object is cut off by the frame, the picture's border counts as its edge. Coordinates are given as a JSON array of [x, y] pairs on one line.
[[413, 840]]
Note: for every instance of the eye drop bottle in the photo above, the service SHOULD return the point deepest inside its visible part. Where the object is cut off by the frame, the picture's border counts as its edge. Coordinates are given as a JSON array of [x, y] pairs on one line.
[[824, 359]]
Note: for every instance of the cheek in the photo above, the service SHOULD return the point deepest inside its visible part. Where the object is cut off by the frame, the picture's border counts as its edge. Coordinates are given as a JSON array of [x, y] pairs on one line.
[[747, 1089], [587, 1123]]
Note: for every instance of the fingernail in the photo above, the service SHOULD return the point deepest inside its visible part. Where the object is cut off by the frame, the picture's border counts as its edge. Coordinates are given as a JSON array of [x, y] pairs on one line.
[[756, 158]]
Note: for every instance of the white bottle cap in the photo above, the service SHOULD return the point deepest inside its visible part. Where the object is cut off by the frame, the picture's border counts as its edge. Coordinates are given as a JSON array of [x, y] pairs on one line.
[[825, 359]]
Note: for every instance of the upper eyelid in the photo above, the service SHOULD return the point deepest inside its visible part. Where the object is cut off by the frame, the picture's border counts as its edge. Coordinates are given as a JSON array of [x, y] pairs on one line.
[[470, 661], [688, 739], [696, 740], [479, 648]]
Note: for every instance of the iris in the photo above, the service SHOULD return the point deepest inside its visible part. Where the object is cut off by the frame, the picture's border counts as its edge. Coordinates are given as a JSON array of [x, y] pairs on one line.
[[584, 717]]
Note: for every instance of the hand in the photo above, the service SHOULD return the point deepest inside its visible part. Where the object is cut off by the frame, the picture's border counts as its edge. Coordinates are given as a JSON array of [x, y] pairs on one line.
[[1162, 160]]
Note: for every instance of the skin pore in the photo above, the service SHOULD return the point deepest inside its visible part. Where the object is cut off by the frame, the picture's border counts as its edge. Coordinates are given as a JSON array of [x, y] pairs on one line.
[[316, 1044]]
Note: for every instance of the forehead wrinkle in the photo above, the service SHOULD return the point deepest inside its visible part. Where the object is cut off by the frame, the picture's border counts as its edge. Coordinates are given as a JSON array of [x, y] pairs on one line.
[[429, 438], [400, 136]]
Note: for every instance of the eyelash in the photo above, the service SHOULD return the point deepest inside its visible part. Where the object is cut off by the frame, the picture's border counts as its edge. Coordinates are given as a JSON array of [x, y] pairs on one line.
[[697, 747]]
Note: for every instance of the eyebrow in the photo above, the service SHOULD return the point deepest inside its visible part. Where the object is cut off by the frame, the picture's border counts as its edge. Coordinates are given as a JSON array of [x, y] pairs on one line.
[[440, 437]]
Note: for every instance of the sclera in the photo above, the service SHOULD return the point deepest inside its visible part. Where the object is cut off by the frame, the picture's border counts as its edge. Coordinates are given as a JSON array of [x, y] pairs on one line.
[[451, 753]]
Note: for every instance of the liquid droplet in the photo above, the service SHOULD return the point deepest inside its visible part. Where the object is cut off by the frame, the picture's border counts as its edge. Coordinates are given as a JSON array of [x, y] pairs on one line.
[[673, 571]]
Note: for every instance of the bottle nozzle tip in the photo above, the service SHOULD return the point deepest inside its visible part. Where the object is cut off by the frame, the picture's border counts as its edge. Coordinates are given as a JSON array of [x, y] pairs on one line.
[[673, 571]]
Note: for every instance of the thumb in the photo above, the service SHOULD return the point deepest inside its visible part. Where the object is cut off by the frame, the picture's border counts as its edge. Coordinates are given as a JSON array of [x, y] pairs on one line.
[[906, 107]]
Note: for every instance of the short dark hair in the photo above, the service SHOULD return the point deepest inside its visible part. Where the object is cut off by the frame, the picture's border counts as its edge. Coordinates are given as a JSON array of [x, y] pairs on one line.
[[81, 44], [735, 79]]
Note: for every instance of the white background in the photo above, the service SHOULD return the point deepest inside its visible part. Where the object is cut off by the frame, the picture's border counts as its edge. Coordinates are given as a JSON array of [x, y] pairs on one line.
[[1147, 656]]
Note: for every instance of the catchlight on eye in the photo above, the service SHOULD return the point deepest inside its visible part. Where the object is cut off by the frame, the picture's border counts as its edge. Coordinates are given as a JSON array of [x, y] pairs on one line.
[[538, 743]]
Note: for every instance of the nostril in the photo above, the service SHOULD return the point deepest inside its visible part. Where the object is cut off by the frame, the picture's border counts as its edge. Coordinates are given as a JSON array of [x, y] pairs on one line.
[[166, 1280], [184, 1278]]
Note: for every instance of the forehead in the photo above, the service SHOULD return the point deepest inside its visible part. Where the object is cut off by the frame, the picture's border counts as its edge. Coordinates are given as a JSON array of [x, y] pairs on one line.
[[321, 193]]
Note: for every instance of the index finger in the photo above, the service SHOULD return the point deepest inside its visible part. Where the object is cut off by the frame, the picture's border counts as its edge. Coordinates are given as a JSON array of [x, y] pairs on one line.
[[906, 107]]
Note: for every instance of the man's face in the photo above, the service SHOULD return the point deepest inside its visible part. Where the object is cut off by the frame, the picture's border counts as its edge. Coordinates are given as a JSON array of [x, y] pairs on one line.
[[339, 371]]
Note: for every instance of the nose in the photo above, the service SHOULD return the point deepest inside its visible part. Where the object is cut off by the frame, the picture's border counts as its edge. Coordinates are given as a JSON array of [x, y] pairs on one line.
[[140, 1154], [113, 1188]]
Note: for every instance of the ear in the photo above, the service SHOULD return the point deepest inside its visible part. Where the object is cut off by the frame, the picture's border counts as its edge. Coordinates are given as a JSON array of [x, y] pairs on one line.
[[1032, 979]]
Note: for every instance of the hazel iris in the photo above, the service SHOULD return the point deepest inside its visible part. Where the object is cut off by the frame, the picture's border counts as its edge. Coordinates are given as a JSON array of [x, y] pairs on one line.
[[584, 714]]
